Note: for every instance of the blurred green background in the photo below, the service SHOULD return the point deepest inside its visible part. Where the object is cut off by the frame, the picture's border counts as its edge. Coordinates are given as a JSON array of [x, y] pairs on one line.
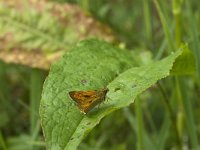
[[151, 29]]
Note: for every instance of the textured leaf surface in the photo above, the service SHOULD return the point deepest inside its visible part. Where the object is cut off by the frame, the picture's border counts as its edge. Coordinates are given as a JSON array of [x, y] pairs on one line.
[[92, 65]]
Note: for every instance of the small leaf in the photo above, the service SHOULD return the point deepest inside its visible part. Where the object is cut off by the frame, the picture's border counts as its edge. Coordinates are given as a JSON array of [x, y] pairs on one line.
[[185, 64], [99, 65]]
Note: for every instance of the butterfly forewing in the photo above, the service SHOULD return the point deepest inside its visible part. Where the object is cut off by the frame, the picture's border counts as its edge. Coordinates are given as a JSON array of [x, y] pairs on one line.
[[83, 96]]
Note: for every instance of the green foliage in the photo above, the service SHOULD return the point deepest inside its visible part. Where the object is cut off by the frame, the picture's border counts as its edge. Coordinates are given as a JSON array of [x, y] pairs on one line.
[[100, 65], [185, 64], [14, 108], [33, 29], [165, 116]]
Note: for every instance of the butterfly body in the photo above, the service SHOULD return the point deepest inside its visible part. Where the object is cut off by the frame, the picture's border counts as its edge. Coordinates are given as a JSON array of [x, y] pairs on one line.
[[86, 100]]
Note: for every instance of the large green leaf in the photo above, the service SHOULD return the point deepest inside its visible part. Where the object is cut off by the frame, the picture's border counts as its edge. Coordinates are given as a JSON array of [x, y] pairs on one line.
[[92, 65]]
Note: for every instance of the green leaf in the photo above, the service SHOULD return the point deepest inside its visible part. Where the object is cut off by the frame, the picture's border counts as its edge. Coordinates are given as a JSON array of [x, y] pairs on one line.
[[92, 65], [185, 63]]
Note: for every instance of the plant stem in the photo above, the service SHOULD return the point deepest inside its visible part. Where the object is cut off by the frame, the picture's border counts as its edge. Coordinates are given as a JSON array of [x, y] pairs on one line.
[[35, 96], [165, 26], [180, 123], [180, 113], [171, 114], [140, 124], [2, 142], [147, 21], [134, 125], [194, 31], [188, 110], [176, 9]]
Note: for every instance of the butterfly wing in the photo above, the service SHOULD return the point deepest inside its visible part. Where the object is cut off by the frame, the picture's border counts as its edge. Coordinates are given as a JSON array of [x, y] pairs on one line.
[[82, 97], [86, 100]]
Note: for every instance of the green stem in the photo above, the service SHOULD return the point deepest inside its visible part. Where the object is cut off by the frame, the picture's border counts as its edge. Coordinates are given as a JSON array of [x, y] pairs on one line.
[[147, 20], [178, 30], [138, 108], [188, 110], [149, 143], [180, 110], [171, 114], [176, 9], [194, 31], [2, 142], [36, 83], [165, 26]]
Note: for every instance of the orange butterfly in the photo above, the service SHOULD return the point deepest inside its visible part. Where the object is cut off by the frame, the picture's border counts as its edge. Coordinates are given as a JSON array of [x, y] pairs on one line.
[[86, 100]]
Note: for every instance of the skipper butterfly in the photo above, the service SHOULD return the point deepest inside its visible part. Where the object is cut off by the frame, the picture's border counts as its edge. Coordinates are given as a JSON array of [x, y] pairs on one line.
[[86, 100]]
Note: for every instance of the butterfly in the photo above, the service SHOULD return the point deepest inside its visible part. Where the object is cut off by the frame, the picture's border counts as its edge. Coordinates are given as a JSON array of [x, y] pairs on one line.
[[86, 100]]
